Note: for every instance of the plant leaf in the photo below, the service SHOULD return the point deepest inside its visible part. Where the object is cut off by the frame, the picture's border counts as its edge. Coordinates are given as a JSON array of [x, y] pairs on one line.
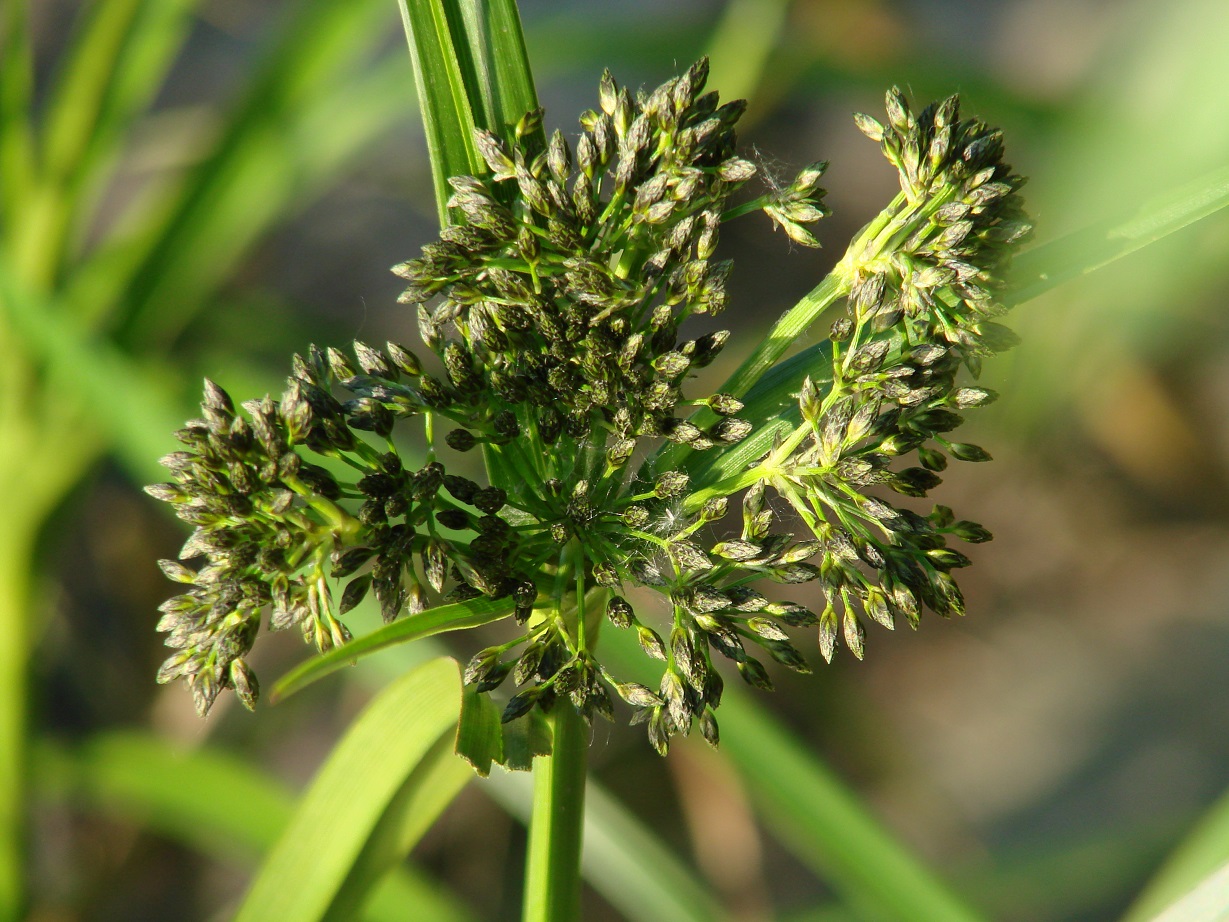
[[826, 825], [788, 329], [1208, 901], [429, 789], [444, 102], [454, 617], [811, 811], [1043, 267], [741, 45], [768, 387], [480, 739], [114, 66], [1204, 849], [774, 399], [367, 804], [121, 397], [210, 801], [16, 123], [259, 169], [525, 738], [497, 68]]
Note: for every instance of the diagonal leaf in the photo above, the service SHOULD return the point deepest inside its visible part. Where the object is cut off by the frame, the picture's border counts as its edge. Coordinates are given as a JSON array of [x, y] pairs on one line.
[[1043, 267], [454, 617], [774, 398], [111, 70], [623, 859], [125, 399], [740, 49], [254, 174], [1204, 849], [811, 811], [16, 117], [767, 386], [1208, 901], [480, 739], [367, 804], [447, 114], [788, 329], [826, 825], [209, 800], [429, 789], [121, 53]]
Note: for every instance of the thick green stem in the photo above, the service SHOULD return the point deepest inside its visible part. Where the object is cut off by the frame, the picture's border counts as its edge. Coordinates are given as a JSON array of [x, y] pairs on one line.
[[15, 589], [552, 873]]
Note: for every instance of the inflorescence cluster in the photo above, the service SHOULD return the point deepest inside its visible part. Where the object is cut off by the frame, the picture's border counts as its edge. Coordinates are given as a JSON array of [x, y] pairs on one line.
[[554, 304]]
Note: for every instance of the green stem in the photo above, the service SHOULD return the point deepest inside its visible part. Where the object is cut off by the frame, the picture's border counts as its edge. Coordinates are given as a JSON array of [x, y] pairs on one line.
[[784, 334], [15, 591], [552, 873]]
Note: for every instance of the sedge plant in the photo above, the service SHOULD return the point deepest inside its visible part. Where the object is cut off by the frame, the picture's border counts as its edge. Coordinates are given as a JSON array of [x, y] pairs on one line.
[[553, 309], [618, 486]]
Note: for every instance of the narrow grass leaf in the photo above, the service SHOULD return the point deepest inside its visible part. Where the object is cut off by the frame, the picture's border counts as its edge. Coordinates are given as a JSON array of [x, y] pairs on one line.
[[767, 387], [789, 328], [250, 178], [210, 801], [443, 98], [456, 616], [1204, 849], [812, 812], [1044, 267], [774, 398], [740, 47], [429, 789], [524, 739], [115, 65], [826, 825], [16, 123], [1207, 902], [497, 65], [480, 739], [124, 400], [108, 75], [367, 804]]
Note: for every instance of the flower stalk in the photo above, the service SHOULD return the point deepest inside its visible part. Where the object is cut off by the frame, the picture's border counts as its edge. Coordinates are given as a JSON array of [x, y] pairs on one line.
[[556, 829]]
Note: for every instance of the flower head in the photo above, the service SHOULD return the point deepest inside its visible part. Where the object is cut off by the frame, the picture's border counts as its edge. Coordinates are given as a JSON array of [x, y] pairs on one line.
[[555, 306]]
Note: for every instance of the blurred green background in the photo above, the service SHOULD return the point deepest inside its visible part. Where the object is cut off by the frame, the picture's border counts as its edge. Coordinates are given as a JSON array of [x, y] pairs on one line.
[[213, 184]]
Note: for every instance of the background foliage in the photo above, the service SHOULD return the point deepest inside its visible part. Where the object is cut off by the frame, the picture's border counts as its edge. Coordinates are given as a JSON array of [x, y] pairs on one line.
[[219, 183]]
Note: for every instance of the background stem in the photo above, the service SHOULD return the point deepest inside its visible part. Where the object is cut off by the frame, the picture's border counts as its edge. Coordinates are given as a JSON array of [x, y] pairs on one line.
[[552, 873], [15, 583]]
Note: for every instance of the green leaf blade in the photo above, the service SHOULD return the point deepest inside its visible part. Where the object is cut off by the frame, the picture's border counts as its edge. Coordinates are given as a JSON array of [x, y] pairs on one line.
[[458, 616], [210, 801], [343, 831], [499, 69], [444, 102], [1049, 265]]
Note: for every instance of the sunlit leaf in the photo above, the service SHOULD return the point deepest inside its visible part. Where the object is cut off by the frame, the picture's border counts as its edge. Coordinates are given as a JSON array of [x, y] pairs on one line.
[[382, 785], [210, 801], [456, 616]]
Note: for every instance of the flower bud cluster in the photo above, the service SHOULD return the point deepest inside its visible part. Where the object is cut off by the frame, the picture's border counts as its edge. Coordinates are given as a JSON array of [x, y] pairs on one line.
[[554, 306], [925, 281], [274, 528]]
